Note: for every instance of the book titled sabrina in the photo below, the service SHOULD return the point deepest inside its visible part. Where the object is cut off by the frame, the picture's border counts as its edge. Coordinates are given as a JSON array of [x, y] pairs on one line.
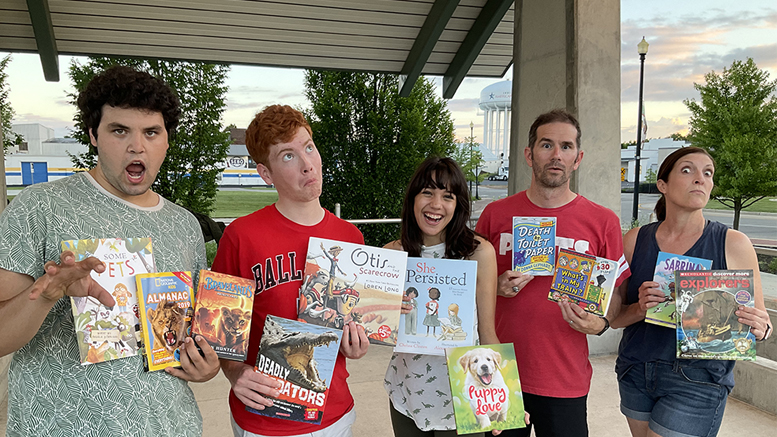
[[485, 388], [534, 245], [302, 357], [665, 313], [105, 333], [166, 303]]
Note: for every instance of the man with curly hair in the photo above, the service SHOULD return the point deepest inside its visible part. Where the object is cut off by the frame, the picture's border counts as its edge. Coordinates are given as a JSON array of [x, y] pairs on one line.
[[128, 115]]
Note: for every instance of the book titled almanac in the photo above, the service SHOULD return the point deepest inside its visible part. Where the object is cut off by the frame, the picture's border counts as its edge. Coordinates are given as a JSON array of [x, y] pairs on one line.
[[664, 314], [584, 279], [165, 316], [302, 357], [104, 333], [707, 326], [485, 388], [347, 282], [534, 245], [443, 314], [223, 310]]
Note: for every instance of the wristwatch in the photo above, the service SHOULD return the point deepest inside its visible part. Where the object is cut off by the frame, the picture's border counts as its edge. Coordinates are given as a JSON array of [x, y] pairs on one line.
[[606, 326], [767, 333]]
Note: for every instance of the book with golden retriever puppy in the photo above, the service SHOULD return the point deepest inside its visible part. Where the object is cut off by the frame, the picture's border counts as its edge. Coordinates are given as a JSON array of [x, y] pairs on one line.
[[166, 309], [223, 310], [485, 388]]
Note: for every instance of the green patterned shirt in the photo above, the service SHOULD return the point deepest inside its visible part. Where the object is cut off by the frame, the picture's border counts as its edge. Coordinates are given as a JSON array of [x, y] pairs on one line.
[[49, 392]]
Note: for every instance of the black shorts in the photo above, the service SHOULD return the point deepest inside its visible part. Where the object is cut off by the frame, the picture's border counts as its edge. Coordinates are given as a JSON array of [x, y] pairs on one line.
[[553, 417]]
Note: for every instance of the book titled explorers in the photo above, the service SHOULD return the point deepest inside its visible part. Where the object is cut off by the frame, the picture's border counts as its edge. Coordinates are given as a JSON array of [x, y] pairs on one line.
[[223, 311], [485, 388], [166, 303], [707, 326], [664, 314], [443, 314], [347, 282], [534, 245], [302, 357], [104, 333], [584, 279]]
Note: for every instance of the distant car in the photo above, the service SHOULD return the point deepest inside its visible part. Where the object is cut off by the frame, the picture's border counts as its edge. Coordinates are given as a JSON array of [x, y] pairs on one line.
[[497, 177]]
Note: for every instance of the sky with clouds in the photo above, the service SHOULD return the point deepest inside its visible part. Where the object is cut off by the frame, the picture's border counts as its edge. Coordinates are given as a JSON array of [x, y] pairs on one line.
[[687, 40]]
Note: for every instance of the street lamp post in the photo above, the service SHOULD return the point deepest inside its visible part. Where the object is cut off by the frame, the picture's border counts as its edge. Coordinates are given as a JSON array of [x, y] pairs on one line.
[[642, 49], [471, 142], [471, 129]]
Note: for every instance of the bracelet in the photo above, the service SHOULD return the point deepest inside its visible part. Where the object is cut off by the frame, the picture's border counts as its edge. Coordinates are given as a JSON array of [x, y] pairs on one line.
[[606, 326], [767, 333]]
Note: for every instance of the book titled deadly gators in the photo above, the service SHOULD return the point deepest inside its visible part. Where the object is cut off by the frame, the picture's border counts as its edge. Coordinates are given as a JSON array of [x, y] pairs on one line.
[[302, 357]]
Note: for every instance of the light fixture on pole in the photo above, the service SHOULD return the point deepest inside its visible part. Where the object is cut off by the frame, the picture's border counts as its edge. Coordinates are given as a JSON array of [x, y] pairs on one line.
[[642, 49]]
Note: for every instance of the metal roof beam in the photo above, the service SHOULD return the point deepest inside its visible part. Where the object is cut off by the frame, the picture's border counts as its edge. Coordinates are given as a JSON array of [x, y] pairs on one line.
[[489, 17], [439, 15], [40, 16]]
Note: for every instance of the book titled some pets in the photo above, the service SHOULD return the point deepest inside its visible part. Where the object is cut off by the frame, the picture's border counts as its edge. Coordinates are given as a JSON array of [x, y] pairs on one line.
[[485, 387], [587, 280], [105, 333], [302, 357], [165, 316], [224, 306], [707, 326], [665, 313], [347, 282], [534, 245], [443, 314]]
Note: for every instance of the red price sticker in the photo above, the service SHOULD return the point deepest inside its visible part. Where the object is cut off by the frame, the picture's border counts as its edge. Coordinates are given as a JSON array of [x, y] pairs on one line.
[[384, 331]]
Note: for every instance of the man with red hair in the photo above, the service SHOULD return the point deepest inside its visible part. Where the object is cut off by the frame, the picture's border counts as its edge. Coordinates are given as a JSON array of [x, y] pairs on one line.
[[269, 246]]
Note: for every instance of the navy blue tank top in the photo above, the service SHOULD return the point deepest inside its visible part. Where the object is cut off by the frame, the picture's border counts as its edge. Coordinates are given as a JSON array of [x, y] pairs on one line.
[[644, 342]]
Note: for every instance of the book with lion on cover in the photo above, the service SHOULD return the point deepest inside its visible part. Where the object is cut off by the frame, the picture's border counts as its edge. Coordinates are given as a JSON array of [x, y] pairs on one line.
[[302, 357], [104, 333], [222, 315], [347, 282], [165, 317]]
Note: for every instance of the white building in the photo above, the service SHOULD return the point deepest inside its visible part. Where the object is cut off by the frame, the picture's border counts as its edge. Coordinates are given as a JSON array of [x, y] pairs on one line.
[[652, 155], [495, 101]]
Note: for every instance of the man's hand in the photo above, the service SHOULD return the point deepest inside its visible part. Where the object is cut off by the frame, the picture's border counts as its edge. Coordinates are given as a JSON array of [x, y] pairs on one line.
[[196, 367], [650, 295], [579, 320], [355, 342], [251, 387], [511, 282], [71, 278]]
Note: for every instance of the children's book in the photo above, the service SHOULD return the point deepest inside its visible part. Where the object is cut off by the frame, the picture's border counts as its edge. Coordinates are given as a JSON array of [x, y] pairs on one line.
[[223, 311], [664, 314], [442, 293], [584, 279], [302, 357], [166, 309], [707, 326], [485, 388], [105, 333], [347, 282], [534, 245]]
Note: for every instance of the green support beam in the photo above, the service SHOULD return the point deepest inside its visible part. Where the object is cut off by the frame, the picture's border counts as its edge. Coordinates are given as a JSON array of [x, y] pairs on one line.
[[44, 37], [490, 16], [427, 38]]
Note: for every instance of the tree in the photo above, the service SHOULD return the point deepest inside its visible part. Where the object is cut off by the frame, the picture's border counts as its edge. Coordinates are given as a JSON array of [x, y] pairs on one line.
[[10, 138], [199, 145], [371, 140], [469, 157], [736, 122], [677, 136]]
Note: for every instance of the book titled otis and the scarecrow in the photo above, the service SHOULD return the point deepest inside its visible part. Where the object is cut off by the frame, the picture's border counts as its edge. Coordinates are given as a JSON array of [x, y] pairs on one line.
[[302, 357], [347, 282]]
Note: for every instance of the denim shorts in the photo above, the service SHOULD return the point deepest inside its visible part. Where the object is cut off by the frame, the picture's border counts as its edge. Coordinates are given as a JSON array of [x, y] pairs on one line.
[[676, 400]]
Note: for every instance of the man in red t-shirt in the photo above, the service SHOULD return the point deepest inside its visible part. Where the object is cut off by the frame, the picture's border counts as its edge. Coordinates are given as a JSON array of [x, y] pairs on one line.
[[270, 246], [550, 338]]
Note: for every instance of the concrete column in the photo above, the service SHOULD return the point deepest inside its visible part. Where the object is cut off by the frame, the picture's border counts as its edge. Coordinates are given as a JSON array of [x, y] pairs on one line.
[[485, 129], [506, 140], [566, 54]]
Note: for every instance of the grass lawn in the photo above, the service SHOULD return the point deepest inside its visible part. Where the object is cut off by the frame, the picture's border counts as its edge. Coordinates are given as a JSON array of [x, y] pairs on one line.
[[768, 204], [233, 204]]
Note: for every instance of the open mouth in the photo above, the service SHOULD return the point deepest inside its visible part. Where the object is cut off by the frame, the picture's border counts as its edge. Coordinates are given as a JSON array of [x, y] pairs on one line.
[[135, 171], [486, 378], [432, 218], [170, 338]]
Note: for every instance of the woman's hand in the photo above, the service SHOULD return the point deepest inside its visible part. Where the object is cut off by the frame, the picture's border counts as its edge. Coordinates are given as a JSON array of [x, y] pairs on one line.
[[756, 318], [650, 295]]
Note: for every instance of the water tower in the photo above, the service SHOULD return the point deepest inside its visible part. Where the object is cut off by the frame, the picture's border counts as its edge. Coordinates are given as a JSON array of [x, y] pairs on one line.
[[495, 103]]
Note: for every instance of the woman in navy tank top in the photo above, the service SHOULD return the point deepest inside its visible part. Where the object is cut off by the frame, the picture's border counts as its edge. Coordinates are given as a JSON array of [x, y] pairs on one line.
[[660, 394]]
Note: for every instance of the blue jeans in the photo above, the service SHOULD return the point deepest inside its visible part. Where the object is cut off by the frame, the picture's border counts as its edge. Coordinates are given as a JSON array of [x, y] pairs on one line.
[[676, 400]]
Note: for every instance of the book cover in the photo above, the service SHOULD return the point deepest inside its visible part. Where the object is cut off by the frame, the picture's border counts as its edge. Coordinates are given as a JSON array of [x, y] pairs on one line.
[[223, 310], [593, 295], [105, 333], [664, 314], [347, 282], [444, 313], [485, 388], [302, 357], [534, 245], [707, 326], [166, 309]]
